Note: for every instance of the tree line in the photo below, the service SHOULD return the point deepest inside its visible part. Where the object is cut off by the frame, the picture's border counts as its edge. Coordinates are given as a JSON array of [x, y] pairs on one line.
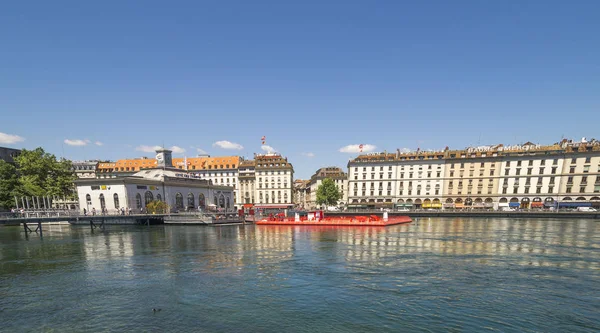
[[35, 173]]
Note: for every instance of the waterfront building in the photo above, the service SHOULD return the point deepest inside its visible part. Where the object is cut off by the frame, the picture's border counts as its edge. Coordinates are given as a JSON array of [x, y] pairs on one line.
[[471, 178], [339, 177], [85, 169], [528, 176], [301, 193], [401, 179], [180, 189], [247, 181], [274, 178], [8, 154], [221, 170]]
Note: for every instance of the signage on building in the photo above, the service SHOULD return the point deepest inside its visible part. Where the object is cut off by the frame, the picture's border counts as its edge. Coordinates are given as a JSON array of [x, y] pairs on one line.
[[186, 175], [142, 187], [503, 148]]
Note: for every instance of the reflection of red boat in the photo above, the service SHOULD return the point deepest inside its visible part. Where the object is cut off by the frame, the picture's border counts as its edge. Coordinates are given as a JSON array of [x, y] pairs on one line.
[[318, 218]]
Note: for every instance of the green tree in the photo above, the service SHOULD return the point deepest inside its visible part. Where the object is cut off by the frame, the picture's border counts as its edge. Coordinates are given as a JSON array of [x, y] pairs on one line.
[[157, 207], [41, 174], [328, 193], [9, 185]]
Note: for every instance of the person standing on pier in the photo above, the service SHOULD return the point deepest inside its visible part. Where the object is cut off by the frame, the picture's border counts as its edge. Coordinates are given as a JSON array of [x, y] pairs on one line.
[[93, 211]]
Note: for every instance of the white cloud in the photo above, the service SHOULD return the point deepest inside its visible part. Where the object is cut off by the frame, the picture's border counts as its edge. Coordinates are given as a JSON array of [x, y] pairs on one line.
[[405, 150], [152, 149], [76, 142], [177, 150], [147, 149], [8, 139], [268, 149], [356, 148], [201, 151], [98, 143], [228, 145], [308, 154]]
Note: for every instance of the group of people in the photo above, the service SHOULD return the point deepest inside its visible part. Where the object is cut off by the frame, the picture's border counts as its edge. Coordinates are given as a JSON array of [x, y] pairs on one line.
[[122, 211]]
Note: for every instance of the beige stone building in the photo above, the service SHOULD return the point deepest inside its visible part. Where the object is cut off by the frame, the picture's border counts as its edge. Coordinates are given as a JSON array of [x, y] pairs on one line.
[[527, 176], [274, 179], [339, 177]]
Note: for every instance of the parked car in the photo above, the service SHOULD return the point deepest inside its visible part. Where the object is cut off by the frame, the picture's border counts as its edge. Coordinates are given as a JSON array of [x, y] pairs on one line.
[[586, 209]]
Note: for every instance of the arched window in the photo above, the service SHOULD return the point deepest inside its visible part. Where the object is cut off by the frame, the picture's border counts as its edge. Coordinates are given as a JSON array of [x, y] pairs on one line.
[[88, 199], [227, 203], [266, 197], [179, 200], [201, 201], [148, 197], [191, 200], [102, 202], [138, 201], [216, 203], [159, 197], [116, 200], [222, 201]]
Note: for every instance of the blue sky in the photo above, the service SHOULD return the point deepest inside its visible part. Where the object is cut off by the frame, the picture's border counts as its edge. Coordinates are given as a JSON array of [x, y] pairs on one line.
[[311, 76]]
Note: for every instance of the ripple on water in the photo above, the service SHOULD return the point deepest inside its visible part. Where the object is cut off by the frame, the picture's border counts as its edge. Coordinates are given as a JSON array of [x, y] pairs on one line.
[[456, 275]]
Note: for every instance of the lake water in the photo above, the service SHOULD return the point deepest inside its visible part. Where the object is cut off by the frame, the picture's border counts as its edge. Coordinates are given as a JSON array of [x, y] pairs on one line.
[[437, 275]]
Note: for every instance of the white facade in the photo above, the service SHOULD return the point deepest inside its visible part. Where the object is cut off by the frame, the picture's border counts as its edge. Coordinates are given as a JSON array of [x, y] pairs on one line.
[[274, 178], [174, 187]]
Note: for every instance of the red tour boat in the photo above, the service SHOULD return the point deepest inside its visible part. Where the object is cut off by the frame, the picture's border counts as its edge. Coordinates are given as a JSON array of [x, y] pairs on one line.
[[318, 218]]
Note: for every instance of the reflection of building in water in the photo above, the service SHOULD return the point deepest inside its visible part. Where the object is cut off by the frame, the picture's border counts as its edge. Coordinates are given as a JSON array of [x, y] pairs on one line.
[[526, 242]]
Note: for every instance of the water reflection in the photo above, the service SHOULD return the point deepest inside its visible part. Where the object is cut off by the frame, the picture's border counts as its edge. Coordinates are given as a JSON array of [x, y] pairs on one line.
[[442, 274]]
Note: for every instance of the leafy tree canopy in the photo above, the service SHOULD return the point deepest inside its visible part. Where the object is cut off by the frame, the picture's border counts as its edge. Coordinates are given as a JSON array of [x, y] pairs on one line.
[[328, 193], [157, 207], [35, 173]]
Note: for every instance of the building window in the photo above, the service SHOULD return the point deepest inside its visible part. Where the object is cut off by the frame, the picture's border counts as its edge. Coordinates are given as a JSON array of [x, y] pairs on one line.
[[572, 170], [506, 171], [102, 203], [515, 190], [588, 160], [518, 163], [553, 171], [550, 189], [191, 201], [518, 172], [138, 201], [574, 160], [492, 172], [116, 200], [504, 190], [538, 190], [179, 201], [568, 189], [586, 168], [527, 190], [582, 189]]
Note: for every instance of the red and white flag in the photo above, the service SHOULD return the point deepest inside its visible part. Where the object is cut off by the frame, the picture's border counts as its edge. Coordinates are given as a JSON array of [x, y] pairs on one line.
[[263, 139]]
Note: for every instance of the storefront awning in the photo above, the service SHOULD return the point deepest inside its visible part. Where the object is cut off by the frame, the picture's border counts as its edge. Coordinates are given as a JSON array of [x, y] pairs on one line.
[[537, 204], [248, 205], [575, 204], [514, 204], [459, 205]]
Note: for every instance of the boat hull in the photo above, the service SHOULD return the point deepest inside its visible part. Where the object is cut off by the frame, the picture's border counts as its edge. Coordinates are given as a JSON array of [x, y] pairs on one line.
[[356, 221]]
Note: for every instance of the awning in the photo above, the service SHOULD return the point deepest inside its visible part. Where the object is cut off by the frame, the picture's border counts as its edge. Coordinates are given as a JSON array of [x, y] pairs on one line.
[[426, 205], [436, 205], [549, 204], [248, 205], [537, 204], [449, 205], [503, 204], [459, 205], [575, 204], [514, 204], [488, 205], [403, 205]]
